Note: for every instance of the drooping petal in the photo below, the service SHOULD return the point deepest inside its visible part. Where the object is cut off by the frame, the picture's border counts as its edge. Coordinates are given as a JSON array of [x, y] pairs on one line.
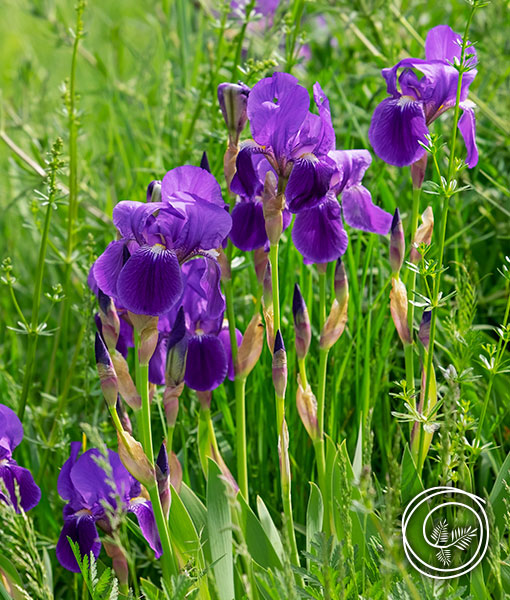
[[277, 106], [108, 267], [150, 282], [65, 486], [224, 336], [248, 226], [29, 492], [397, 127], [206, 364], [361, 213], [11, 431], [143, 511], [326, 138], [308, 182], [443, 43], [81, 529], [467, 127], [202, 301], [192, 180], [251, 168], [157, 362], [318, 233]]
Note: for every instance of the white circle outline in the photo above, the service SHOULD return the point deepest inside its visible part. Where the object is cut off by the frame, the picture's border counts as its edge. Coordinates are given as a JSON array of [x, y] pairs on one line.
[[484, 532]]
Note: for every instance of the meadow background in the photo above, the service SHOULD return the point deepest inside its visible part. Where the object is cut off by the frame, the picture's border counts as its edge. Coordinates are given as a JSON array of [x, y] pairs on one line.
[[146, 79]]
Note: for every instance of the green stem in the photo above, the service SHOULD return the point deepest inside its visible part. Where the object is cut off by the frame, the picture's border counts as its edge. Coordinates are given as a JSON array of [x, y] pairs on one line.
[[273, 259], [145, 420], [242, 463], [302, 372], [36, 298]]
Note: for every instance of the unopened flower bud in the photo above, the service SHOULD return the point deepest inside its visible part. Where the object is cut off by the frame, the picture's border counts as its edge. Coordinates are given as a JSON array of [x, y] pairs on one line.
[[134, 459], [283, 454], [171, 397], [110, 323], [177, 350], [424, 330], [147, 328], [226, 272], [204, 162], [261, 259], [398, 308], [423, 234], [175, 472], [119, 561], [233, 100], [163, 479], [273, 204], [341, 283], [154, 191], [397, 243], [301, 323], [123, 416], [107, 375], [334, 325], [279, 366], [307, 408], [418, 169], [251, 347], [267, 290], [127, 388]]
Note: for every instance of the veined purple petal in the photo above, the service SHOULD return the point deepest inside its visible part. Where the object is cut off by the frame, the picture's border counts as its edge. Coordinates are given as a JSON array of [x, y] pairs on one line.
[[318, 233], [467, 127], [326, 139], [130, 217], [157, 362], [248, 226], [308, 182], [11, 431], [150, 282], [443, 43], [206, 226], [81, 529], [206, 364], [277, 106], [30, 494], [202, 301], [192, 180], [397, 127], [248, 181], [224, 336], [143, 511], [350, 168], [108, 267], [361, 213]]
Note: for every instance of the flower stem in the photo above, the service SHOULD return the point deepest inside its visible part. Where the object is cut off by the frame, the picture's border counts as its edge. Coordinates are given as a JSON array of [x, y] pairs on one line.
[[242, 463], [273, 259]]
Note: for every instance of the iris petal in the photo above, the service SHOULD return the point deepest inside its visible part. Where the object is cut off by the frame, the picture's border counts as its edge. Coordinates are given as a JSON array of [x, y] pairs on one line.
[[248, 226], [360, 212], [29, 492], [308, 182], [192, 180], [467, 127], [206, 364], [397, 127], [80, 529], [11, 429], [150, 282], [318, 233], [147, 522]]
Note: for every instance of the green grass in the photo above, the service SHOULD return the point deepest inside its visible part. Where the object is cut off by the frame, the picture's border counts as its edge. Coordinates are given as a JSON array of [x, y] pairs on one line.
[[146, 78]]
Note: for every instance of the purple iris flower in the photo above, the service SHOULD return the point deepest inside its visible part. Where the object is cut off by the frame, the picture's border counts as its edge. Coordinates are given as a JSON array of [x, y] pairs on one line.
[[248, 226], [294, 141], [91, 492], [142, 269], [203, 305], [318, 232], [401, 121], [11, 434]]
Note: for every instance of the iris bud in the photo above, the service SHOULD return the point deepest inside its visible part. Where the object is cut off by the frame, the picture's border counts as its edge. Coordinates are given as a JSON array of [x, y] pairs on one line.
[[171, 403], [204, 162], [163, 479], [147, 327], [177, 350], [127, 388], [424, 330], [134, 459], [251, 347], [123, 416], [307, 408], [279, 366], [107, 375], [233, 100], [110, 323], [341, 283], [267, 306], [261, 259], [154, 191], [423, 234], [301, 323], [418, 169], [397, 243], [334, 325], [398, 308]]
